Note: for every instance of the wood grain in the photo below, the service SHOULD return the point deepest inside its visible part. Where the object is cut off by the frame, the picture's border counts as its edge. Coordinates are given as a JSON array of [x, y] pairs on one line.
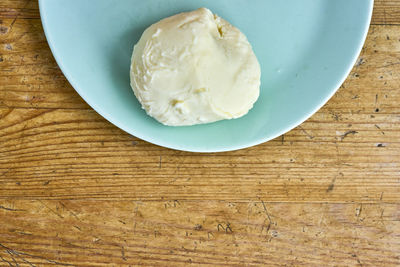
[[77, 191], [215, 233], [70, 154], [386, 12], [19, 9]]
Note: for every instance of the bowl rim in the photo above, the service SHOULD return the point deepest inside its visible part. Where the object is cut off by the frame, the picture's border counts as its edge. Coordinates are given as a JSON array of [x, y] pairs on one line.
[[175, 146]]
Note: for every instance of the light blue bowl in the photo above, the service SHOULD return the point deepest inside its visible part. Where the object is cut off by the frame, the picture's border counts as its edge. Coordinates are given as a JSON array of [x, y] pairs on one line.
[[306, 49]]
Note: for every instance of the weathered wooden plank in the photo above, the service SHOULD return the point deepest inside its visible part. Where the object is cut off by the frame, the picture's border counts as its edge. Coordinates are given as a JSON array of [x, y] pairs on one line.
[[92, 233], [47, 153], [386, 12], [19, 9]]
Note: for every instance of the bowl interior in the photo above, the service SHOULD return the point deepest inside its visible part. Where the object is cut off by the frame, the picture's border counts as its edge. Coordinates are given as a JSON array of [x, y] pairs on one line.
[[305, 48]]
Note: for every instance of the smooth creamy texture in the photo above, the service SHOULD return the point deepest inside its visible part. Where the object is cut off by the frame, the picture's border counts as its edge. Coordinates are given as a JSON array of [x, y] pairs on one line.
[[194, 68]]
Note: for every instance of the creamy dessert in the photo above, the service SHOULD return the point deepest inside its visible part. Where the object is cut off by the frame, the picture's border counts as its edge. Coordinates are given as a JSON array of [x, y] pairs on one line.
[[194, 68]]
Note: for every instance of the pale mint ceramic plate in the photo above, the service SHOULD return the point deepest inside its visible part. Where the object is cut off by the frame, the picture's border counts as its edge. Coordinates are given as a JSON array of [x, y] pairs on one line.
[[306, 49]]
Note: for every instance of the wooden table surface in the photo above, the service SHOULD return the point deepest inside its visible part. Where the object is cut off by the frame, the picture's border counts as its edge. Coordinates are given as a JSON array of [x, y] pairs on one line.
[[77, 191]]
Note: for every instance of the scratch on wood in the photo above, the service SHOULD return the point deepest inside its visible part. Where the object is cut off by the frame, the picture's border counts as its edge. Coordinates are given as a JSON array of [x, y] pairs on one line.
[[13, 253], [123, 253], [176, 202], [268, 217], [360, 62], [357, 258], [390, 64], [359, 210], [379, 128], [23, 233], [70, 211], [16, 16], [306, 133], [173, 180], [228, 228], [332, 185], [12, 257], [26, 261], [210, 234], [56, 213], [10, 209], [34, 256], [266, 211], [336, 117], [6, 261], [343, 136], [96, 239]]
